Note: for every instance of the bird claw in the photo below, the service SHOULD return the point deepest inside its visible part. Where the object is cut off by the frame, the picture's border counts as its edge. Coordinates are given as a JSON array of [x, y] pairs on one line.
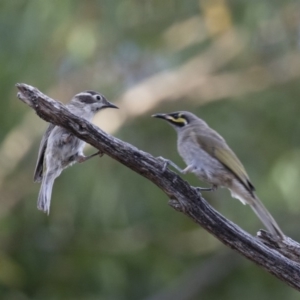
[[166, 162], [100, 153]]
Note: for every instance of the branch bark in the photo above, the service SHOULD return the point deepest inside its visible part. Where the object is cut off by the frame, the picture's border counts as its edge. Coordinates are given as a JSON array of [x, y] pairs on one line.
[[281, 260]]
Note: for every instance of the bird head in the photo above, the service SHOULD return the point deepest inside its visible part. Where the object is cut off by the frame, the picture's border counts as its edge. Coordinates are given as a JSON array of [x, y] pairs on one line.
[[92, 100], [178, 120]]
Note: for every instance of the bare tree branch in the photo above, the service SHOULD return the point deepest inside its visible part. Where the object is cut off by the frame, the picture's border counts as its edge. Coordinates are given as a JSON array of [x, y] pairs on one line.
[[280, 259]]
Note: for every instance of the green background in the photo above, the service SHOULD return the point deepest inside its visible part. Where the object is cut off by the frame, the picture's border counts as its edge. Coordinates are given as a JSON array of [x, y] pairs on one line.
[[110, 234]]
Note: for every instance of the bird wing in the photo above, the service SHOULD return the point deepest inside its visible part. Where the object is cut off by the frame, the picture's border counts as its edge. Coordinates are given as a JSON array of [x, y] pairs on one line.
[[229, 160], [38, 173], [216, 146]]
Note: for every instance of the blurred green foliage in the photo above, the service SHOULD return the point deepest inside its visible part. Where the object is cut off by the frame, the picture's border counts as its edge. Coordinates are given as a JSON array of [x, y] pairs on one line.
[[110, 234]]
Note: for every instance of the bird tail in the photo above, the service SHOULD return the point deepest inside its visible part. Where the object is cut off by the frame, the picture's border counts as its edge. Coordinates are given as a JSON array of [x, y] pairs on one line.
[[44, 198], [266, 218]]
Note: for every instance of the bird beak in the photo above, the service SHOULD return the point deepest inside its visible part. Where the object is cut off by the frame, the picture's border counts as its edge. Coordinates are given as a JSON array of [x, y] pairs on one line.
[[160, 116], [110, 105]]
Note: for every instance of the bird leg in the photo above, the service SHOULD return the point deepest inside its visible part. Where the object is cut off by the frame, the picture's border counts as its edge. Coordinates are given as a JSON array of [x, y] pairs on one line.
[[188, 169], [82, 158], [201, 189], [167, 163]]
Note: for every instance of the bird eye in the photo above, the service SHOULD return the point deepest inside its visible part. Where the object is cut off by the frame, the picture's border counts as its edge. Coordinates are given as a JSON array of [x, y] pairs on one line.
[[98, 97]]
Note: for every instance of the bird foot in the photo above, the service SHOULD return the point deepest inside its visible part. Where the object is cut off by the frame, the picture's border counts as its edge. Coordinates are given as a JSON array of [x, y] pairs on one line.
[[167, 162]]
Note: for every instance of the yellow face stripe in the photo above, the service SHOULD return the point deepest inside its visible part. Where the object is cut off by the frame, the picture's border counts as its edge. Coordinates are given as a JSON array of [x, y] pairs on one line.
[[179, 120]]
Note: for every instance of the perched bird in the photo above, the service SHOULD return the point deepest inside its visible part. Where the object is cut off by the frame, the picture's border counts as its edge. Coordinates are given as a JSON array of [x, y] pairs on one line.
[[60, 149], [208, 156]]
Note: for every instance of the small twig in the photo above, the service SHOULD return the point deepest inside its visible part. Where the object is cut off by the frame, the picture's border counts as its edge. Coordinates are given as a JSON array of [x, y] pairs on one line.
[[185, 199]]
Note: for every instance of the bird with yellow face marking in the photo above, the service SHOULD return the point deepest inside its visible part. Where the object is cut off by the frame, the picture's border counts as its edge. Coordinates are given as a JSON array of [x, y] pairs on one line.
[[208, 156]]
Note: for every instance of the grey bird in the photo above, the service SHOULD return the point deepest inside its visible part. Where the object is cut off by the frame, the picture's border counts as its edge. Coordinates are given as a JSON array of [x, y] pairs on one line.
[[60, 149], [208, 156]]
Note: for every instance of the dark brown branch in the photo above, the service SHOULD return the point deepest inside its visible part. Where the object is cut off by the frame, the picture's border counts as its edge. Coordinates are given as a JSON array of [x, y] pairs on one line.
[[281, 260]]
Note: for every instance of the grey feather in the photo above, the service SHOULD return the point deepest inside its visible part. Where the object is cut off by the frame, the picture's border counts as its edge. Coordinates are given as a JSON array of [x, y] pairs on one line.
[[208, 156], [38, 172], [60, 149]]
